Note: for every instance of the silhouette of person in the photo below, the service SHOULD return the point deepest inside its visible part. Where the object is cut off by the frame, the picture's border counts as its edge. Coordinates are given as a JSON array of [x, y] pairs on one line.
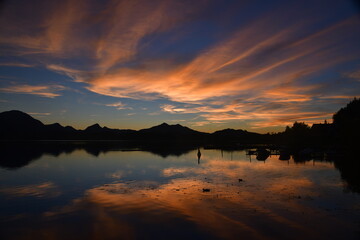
[[199, 155]]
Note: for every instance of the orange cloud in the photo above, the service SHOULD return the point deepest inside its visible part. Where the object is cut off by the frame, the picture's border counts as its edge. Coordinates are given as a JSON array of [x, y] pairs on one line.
[[49, 91], [227, 70], [49, 32]]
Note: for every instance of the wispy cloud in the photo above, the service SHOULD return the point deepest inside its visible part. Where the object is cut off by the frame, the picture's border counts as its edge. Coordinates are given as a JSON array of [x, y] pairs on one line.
[[72, 73], [272, 63], [118, 105], [49, 91], [353, 75], [276, 66], [39, 114], [108, 33]]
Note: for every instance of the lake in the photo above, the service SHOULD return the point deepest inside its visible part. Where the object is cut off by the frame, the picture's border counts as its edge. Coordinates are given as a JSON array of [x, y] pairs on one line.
[[80, 193]]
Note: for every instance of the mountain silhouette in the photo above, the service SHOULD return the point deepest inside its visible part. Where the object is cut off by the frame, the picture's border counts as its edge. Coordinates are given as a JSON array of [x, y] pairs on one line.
[[94, 128], [174, 132], [17, 125], [165, 128], [240, 136]]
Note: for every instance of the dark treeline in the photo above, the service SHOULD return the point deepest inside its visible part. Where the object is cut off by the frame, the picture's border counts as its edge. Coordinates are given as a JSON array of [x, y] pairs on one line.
[[343, 132]]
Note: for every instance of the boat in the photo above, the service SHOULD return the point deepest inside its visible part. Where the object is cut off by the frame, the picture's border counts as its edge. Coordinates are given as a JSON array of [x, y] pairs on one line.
[[262, 154]]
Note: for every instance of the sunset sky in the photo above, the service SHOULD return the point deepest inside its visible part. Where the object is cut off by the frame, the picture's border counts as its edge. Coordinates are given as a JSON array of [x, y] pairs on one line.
[[208, 65]]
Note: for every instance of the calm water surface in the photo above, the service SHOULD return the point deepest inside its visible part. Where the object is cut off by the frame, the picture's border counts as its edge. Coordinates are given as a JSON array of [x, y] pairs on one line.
[[141, 195]]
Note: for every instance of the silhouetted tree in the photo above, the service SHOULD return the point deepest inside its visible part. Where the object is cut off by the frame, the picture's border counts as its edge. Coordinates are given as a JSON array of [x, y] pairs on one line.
[[347, 123], [299, 126], [349, 114], [298, 134]]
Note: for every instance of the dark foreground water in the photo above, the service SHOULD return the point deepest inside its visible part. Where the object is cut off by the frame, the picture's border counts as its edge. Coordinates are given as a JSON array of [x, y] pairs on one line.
[[141, 195]]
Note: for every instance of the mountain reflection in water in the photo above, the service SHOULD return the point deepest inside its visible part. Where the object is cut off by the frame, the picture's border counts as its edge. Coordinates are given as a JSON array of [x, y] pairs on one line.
[[108, 192]]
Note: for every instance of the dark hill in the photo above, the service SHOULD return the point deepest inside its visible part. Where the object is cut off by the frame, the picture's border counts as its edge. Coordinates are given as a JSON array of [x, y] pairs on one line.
[[94, 128], [15, 124], [96, 132], [165, 128], [57, 131], [170, 132], [19, 119], [238, 136]]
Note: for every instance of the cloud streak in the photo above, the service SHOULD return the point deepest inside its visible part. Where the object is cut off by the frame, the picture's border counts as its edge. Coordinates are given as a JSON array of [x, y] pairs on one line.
[[15, 64], [49, 91], [118, 105]]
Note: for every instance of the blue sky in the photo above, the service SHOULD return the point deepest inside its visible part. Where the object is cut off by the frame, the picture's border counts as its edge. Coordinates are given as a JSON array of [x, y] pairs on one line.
[[209, 65]]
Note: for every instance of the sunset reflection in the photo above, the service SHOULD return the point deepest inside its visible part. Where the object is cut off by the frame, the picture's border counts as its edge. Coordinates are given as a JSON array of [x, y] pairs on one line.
[[225, 196]]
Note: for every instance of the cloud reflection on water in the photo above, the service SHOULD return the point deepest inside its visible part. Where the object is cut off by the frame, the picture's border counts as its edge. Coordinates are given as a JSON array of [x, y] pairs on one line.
[[41, 190], [271, 202]]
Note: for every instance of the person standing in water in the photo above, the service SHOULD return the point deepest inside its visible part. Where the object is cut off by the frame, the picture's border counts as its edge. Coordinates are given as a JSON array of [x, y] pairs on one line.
[[199, 155]]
